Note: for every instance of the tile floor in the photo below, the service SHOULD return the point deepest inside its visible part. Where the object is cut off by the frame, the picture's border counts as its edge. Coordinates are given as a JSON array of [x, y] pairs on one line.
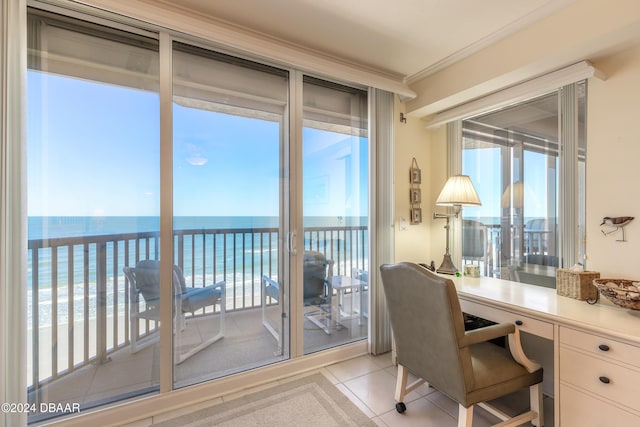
[[369, 382]]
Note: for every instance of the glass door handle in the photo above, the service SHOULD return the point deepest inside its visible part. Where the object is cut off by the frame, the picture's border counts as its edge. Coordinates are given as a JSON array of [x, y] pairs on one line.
[[291, 243]]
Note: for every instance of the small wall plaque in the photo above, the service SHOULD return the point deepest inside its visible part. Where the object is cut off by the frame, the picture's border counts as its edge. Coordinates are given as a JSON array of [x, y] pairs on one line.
[[416, 215], [416, 175], [416, 195]]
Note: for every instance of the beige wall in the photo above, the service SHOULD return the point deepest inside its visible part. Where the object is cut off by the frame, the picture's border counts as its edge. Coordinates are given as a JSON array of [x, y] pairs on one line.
[[585, 29], [613, 171], [613, 164], [608, 35], [424, 242], [411, 140]]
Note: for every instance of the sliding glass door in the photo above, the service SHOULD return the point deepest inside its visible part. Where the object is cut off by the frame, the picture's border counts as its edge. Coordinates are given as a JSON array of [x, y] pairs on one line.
[[93, 213], [164, 180], [229, 134], [335, 151]]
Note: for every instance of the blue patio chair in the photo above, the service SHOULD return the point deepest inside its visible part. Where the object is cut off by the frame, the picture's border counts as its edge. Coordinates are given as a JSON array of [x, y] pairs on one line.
[[144, 280], [317, 272], [271, 295]]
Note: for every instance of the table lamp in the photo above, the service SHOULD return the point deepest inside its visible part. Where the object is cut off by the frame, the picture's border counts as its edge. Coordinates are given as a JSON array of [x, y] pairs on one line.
[[458, 191]]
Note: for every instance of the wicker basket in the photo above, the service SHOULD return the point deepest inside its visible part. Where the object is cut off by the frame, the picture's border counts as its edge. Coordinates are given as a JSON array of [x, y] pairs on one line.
[[622, 292], [576, 284]]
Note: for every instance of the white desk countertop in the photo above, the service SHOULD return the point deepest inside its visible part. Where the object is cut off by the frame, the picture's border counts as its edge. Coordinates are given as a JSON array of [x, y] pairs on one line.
[[545, 304]]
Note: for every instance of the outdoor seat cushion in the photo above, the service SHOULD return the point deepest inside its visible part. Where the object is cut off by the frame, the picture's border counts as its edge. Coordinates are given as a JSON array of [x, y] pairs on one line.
[[196, 298], [272, 289]]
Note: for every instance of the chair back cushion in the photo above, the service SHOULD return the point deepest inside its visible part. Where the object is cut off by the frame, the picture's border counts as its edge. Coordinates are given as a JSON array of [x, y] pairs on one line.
[[315, 275], [179, 284], [147, 275], [427, 324], [147, 278]]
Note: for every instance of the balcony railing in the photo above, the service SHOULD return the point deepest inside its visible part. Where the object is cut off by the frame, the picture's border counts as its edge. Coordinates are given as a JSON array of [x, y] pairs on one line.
[[78, 301], [495, 251]]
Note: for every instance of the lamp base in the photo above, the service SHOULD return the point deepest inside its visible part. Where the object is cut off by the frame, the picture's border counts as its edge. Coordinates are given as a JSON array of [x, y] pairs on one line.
[[447, 266]]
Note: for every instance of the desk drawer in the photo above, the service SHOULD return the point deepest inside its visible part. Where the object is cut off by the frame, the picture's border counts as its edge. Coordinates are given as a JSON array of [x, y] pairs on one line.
[[580, 409], [609, 380], [527, 324], [603, 347]]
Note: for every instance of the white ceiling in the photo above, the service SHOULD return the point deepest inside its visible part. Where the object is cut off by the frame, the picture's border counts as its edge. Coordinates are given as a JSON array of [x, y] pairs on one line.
[[403, 38]]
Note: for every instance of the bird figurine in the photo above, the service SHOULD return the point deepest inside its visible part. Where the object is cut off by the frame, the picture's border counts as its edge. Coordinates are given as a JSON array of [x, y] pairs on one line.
[[617, 223]]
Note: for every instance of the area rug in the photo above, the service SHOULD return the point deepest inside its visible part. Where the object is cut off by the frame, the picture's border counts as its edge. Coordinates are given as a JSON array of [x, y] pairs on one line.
[[309, 401]]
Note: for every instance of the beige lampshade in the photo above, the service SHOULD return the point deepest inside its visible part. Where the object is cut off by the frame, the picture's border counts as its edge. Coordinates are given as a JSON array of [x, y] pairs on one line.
[[458, 191], [513, 196]]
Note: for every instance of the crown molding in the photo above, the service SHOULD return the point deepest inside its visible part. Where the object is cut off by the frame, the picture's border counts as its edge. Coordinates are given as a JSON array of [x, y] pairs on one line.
[[495, 37], [257, 45], [518, 93]]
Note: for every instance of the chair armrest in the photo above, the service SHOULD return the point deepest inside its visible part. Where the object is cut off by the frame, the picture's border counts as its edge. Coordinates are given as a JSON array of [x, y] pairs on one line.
[[196, 298], [270, 282], [219, 287], [515, 347], [270, 288], [487, 333]]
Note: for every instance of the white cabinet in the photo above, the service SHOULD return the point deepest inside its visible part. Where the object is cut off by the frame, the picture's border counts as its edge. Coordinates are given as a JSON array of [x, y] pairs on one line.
[[588, 342], [599, 379], [580, 409]]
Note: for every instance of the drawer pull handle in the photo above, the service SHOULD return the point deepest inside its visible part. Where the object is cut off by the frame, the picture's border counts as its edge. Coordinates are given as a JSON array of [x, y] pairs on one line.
[[604, 380], [519, 322], [603, 347]]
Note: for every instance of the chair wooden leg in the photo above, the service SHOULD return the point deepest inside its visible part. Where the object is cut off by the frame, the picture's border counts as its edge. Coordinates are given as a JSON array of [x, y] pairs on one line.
[[536, 404], [401, 383], [465, 416], [403, 389]]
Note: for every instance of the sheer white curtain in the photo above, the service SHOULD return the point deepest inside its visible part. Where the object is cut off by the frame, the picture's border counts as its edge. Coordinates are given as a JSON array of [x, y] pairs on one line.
[[12, 209], [381, 207]]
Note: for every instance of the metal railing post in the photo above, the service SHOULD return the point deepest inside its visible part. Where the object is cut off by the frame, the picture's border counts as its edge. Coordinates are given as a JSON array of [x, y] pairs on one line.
[[101, 303]]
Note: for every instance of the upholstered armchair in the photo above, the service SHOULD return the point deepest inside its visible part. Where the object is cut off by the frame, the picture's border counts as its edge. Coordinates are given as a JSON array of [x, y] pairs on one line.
[[431, 342]]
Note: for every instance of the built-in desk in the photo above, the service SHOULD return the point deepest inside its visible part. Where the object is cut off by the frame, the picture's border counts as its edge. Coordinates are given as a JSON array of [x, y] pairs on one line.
[[596, 348]]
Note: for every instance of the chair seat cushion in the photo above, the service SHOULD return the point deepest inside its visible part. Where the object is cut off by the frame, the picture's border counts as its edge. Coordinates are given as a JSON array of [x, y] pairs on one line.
[[272, 291], [196, 298], [496, 373]]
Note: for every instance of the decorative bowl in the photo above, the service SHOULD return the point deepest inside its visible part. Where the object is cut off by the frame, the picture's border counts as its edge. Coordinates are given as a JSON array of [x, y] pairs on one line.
[[622, 292]]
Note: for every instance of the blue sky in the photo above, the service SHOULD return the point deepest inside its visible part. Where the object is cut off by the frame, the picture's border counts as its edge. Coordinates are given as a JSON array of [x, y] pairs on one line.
[[86, 141], [484, 166], [93, 150]]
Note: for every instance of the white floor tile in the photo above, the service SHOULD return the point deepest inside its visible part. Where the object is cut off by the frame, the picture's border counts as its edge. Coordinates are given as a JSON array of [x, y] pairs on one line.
[[421, 412], [377, 391], [358, 402], [353, 368]]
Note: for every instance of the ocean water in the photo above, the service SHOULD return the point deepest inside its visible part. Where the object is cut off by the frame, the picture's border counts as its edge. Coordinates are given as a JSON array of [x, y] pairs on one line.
[[42, 227], [245, 248]]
